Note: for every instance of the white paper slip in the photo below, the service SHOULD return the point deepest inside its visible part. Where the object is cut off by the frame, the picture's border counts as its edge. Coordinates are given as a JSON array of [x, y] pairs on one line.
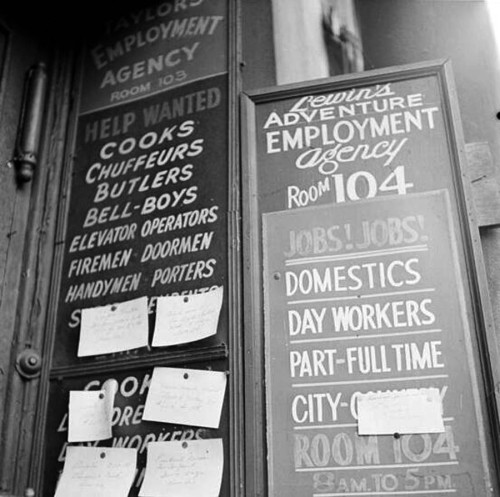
[[183, 469], [414, 410], [187, 318], [114, 328], [97, 472], [185, 396], [89, 416]]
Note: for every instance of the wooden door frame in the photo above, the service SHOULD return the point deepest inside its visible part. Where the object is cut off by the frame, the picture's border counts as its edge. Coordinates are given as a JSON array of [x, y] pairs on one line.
[[36, 254]]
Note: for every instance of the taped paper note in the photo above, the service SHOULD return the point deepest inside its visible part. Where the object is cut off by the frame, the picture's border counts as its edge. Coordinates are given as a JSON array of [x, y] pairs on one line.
[[185, 396], [183, 319], [114, 328], [183, 469], [415, 410], [97, 472], [89, 416]]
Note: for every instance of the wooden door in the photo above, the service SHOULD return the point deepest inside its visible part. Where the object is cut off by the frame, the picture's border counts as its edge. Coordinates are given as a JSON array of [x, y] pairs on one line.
[[27, 223]]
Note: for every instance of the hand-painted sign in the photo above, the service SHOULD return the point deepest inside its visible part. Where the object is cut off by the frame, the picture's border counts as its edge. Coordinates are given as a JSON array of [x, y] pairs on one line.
[[359, 232], [146, 218], [367, 298], [128, 428], [153, 49], [342, 146], [148, 202]]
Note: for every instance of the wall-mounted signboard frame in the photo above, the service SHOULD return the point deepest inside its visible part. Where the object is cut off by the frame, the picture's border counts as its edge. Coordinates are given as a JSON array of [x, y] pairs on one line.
[[160, 91], [364, 274]]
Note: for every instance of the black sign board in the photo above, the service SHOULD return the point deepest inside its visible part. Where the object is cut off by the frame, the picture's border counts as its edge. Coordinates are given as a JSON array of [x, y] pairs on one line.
[[148, 205], [362, 239], [157, 47], [372, 301], [129, 430], [147, 211]]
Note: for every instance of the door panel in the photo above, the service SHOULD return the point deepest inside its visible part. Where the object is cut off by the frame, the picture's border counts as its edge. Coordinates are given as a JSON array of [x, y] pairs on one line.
[[27, 223]]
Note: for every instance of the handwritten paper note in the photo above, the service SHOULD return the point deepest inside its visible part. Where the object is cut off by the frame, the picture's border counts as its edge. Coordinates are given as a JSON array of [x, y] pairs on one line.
[[89, 415], [183, 319], [97, 472], [415, 410], [185, 396], [183, 469], [114, 328]]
